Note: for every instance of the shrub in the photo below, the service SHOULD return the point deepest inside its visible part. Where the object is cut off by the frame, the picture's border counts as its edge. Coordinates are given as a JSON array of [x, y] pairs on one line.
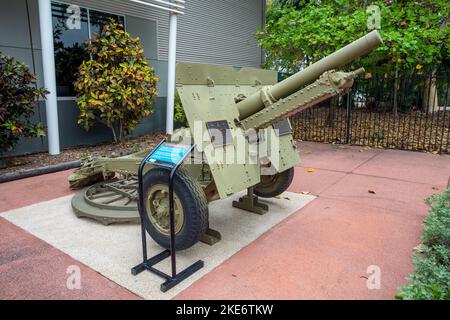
[[19, 96], [431, 280], [180, 116], [116, 86]]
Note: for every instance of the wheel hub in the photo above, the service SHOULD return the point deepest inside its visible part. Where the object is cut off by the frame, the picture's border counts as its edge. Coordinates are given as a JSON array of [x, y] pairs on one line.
[[157, 205]]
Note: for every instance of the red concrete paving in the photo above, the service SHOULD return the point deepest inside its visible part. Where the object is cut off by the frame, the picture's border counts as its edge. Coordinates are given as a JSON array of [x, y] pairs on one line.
[[334, 157], [314, 182], [408, 166], [21, 193], [394, 195], [320, 252], [32, 269], [323, 251]]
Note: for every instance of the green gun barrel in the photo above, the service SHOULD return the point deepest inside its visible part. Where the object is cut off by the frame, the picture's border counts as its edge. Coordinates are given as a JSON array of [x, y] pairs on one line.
[[354, 50]]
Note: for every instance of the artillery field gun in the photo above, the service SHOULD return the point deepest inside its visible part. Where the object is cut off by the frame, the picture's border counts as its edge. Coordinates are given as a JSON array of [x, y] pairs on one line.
[[239, 123]]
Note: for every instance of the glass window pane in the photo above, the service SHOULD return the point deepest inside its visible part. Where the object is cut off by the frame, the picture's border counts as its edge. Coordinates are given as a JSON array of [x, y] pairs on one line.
[[99, 19], [70, 32]]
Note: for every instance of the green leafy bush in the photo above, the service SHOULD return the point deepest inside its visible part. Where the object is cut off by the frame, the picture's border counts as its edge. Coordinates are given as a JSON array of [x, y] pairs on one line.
[[116, 86], [416, 33], [19, 97], [180, 116], [431, 280]]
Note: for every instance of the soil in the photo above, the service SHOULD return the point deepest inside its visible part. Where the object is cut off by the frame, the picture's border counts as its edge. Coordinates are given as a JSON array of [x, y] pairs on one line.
[[112, 150]]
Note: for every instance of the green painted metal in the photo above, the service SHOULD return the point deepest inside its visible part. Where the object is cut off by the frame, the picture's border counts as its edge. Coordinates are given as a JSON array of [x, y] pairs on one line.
[[340, 58], [246, 104]]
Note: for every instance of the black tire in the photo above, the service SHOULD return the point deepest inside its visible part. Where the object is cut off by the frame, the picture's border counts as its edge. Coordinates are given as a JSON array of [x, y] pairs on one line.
[[274, 185], [193, 201]]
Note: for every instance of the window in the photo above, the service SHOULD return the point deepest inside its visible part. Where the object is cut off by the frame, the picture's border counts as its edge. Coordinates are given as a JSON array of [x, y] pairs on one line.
[[73, 26]]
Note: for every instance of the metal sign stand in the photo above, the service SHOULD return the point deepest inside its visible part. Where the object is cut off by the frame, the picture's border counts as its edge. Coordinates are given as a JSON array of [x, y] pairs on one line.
[[148, 264]]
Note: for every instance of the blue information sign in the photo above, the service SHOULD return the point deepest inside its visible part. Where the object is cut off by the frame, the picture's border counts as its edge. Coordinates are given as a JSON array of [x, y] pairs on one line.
[[168, 154]]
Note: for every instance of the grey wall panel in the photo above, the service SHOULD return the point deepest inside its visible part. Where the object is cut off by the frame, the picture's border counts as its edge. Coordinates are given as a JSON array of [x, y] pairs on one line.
[[146, 30], [128, 8], [156, 122], [161, 71], [24, 55], [211, 31], [221, 32], [34, 23], [14, 30], [26, 145], [70, 134]]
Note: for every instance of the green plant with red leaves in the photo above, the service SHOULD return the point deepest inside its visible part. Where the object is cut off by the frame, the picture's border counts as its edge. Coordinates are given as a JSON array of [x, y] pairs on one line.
[[116, 86], [19, 96]]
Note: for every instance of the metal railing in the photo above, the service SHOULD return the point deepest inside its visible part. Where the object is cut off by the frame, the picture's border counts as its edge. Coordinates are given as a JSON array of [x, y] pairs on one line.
[[409, 112]]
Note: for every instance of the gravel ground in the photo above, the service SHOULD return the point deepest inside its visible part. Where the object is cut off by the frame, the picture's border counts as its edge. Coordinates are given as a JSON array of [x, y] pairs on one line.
[[37, 160]]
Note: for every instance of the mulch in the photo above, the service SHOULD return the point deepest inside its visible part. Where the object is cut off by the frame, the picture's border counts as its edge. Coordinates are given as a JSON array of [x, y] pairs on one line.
[[415, 131]]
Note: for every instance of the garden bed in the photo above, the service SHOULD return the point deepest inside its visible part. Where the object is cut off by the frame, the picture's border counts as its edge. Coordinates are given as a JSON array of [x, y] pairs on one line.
[[416, 131], [38, 160]]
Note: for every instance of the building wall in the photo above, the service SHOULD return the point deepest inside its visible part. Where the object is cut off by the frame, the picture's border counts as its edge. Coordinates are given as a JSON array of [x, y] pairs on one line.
[[212, 31]]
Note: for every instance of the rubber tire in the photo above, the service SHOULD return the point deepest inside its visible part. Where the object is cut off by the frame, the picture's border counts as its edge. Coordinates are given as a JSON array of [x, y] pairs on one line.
[[193, 201], [282, 182]]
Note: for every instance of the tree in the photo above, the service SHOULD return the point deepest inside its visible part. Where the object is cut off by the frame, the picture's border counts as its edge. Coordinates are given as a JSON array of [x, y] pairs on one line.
[[19, 97], [116, 86], [416, 34]]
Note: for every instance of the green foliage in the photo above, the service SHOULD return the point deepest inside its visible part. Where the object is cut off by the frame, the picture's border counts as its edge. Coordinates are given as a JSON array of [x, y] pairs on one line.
[[431, 280], [416, 33], [116, 86], [437, 223], [18, 99], [180, 116]]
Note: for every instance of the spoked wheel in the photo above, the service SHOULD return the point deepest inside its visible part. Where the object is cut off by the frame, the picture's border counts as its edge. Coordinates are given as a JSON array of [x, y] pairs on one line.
[[109, 202], [190, 204], [272, 186]]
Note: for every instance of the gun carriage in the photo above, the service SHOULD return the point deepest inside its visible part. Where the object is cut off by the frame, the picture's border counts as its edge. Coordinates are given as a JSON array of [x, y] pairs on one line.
[[232, 115]]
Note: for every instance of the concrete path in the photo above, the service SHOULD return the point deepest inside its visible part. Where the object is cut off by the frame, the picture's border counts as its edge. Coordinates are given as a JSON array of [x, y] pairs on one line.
[[33, 269], [113, 250], [368, 214]]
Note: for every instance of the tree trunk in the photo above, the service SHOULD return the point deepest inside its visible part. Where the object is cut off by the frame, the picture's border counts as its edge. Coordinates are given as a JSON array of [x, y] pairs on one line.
[[396, 93], [329, 122], [430, 99], [114, 133]]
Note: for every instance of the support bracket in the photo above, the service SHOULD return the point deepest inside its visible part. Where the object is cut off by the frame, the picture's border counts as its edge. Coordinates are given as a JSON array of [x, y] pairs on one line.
[[211, 237], [250, 203]]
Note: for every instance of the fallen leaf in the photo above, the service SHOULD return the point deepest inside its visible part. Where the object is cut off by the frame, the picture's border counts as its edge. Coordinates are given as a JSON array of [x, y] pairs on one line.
[[311, 170], [372, 192], [370, 128], [305, 193], [419, 248]]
